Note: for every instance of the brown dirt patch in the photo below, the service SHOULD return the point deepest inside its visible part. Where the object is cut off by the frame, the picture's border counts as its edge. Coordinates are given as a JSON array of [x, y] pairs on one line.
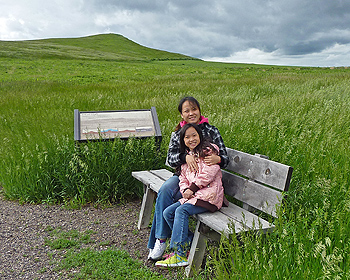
[[24, 228]]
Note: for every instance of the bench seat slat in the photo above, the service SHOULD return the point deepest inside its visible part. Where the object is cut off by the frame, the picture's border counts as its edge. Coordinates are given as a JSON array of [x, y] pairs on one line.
[[148, 179], [217, 221], [163, 173], [246, 218], [243, 220]]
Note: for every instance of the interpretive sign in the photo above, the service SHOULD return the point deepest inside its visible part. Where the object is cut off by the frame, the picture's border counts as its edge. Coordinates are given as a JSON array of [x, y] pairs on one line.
[[96, 125]]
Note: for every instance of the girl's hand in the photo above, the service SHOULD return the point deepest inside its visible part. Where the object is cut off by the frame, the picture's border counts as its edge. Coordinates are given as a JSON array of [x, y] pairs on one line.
[[192, 163], [187, 194], [211, 160]]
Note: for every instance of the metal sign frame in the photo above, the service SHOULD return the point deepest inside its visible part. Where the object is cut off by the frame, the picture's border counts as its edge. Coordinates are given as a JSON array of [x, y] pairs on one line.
[[107, 125]]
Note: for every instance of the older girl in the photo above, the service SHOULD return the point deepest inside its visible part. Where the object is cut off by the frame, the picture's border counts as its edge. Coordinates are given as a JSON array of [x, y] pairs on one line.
[[201, 191], [169, 192]]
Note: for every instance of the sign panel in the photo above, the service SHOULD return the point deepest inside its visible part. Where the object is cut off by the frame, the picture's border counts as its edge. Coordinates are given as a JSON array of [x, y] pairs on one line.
[[95, 125]]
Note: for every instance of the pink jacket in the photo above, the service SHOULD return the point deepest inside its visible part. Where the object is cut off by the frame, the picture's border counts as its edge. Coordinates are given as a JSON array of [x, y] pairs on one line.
[[206, 184]]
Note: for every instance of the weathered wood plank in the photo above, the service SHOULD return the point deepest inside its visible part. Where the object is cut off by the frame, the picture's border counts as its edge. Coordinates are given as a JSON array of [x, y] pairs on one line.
[[163, 174], [246, 219], [146, 208], [197, 251], [150, 180], [252, 193], [218, 222], [260, 169], [222, 221]]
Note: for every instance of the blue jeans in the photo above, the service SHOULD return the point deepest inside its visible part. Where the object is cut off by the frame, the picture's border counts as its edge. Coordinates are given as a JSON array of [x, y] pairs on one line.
[[177, 215], [167, 195]]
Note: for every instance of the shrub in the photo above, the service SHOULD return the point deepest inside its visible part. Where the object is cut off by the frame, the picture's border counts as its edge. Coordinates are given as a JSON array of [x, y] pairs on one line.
[[95, 171]]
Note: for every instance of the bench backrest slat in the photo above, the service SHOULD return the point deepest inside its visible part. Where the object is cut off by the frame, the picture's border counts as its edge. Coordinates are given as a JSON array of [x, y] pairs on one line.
[[252, 193], [259, 169]]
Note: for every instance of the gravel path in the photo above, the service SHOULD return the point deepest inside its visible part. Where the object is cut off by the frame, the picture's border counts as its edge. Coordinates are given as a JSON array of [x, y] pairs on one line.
[[23, 229]]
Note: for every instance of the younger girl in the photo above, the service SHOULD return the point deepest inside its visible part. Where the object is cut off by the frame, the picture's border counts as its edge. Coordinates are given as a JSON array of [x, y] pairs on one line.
[[201, 191]]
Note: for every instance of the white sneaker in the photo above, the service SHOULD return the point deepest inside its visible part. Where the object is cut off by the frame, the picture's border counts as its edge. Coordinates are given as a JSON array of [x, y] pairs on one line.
[[158, 250]]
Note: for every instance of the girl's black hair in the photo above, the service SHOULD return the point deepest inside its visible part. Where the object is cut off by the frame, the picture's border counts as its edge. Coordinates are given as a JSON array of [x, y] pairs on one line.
[[183, 147], [191, 100], [206, 148]]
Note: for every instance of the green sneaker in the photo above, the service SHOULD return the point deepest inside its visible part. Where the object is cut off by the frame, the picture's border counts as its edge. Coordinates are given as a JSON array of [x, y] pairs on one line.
[[174, 261]]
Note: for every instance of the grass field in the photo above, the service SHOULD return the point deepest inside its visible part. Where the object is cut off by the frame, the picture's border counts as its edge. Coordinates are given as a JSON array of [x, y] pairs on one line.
[[295, 115]]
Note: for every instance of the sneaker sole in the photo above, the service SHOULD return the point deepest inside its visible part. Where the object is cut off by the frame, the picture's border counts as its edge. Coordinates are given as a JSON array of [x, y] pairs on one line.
[[149, 255], [172, 265], [158, 258]]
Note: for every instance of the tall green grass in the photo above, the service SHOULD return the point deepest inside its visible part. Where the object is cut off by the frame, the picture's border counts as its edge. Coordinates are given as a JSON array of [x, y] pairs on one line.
[[62, 171], [297, 116]]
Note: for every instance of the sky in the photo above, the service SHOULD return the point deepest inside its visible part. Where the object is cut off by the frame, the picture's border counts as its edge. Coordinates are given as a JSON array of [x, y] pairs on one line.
[[274, 32]]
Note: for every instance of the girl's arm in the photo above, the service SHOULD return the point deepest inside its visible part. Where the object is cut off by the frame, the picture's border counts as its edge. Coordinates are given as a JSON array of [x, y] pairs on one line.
[[217, 139], [213, 159]]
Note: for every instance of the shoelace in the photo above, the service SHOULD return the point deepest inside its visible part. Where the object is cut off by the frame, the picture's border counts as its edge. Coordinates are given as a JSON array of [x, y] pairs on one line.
[[167, 256]]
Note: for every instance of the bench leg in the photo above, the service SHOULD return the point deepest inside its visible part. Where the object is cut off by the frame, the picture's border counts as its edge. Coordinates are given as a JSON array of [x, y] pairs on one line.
[[146, 208], [197, 251]]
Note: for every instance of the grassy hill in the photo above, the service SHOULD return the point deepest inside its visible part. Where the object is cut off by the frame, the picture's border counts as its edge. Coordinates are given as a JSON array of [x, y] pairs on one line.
[[97, 47]]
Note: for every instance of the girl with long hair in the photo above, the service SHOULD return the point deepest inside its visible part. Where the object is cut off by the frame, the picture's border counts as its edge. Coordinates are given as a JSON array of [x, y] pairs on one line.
[[201, 191], [169, 193]]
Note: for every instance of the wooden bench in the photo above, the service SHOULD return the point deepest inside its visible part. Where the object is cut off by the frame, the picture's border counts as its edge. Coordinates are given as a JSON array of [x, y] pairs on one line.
[[253, 181]]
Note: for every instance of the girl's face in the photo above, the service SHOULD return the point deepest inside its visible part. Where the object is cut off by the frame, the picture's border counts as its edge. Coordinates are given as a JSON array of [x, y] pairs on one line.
[[191, 138], [190, 113]]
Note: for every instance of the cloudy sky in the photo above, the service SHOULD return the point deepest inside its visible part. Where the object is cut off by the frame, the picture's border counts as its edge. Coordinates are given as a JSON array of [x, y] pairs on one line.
[[278, 32]]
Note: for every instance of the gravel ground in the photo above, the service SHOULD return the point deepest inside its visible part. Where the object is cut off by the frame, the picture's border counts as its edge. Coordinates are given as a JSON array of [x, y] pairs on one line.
[[23, 229]]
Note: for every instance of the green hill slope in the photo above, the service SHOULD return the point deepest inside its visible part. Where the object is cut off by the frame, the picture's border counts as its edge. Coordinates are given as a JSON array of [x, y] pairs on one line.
[[97, 47]]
